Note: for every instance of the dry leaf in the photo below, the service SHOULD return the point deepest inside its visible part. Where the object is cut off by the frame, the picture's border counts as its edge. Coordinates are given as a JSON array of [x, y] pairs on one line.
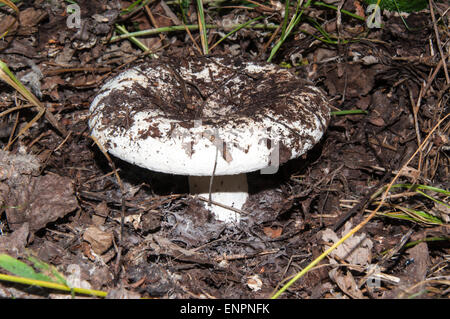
[[346, 283], [100, 240], [273, 231], [39, 200], [254, 282], [377, 121], [355, 250], [410, 172]]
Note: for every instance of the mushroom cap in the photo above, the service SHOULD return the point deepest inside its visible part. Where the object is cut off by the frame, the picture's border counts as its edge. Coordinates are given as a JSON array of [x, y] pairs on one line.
[[185, 116]]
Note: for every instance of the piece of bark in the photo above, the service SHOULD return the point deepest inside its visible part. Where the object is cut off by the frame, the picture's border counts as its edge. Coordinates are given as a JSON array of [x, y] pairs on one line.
[[39, 201]]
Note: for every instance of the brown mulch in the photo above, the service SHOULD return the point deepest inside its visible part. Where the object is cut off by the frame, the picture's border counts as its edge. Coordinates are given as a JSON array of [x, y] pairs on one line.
[[61, 201]]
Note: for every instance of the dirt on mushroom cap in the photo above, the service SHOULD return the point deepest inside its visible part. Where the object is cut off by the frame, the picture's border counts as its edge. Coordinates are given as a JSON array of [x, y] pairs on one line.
[[244, 99]]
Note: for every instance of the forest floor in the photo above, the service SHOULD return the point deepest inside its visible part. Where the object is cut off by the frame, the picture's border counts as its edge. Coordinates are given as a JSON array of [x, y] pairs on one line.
[[62, 203]]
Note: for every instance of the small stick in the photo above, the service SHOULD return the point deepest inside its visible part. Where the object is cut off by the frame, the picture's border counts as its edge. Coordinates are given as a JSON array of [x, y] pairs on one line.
[[122, 215], [222, 205], [212, 176], [242, 256], [154, 22], [438, 41]]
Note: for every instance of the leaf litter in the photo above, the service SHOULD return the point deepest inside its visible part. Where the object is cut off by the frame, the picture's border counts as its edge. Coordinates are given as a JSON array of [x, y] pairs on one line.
[[60, 199]]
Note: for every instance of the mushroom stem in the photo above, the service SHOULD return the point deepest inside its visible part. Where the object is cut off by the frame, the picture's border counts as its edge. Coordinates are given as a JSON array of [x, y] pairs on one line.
[[229, 190]]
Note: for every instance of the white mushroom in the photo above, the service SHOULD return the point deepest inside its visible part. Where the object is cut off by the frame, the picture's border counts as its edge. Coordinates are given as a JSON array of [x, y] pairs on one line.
[[209, 117]]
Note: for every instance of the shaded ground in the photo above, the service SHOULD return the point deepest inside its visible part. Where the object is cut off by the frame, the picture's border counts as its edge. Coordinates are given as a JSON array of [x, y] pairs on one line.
[[62, 203]]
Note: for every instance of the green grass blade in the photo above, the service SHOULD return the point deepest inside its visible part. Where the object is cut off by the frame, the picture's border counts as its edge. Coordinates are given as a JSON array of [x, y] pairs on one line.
[[51, 285], [414, 187], [20, 269], [177, 28], [286, 17], [432, 198], [292, 24], [348, 112], [434, 189], [401, 5], [318, 27], [138, 43], [7, 76], [48, 269], [239, 27], [329, 6], [4, 2], [202, 27], [397, 215], [137, 5], [25, 274], [10, 4], [427, 239], [419, 216], [184, 7]]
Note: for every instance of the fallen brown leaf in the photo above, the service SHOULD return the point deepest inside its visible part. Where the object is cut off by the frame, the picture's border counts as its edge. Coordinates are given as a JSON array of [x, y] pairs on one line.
[[273, 231], [39, 200], [100, 240]]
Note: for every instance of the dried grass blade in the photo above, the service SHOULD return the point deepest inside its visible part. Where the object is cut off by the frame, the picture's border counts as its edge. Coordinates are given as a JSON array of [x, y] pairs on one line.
[[16, 18], [7, 76]]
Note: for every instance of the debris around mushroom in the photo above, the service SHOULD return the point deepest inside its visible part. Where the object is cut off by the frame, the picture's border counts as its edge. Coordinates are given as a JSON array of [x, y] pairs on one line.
[[209, 116]]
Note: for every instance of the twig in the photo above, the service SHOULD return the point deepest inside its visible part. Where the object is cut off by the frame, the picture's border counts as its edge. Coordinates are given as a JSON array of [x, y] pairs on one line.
[[242, 256], [192, 38], [153, 20], [364, 222], [211, 180], [221, 205], [415, 109], [438, 41], [362, 203], [122, 192], [180, 28], [202, 26], [433, 75]]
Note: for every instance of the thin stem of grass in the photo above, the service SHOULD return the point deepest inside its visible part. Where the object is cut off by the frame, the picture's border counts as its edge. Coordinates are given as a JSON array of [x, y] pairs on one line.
[[348, 112], [239, 27], [365, 221], [286, 17], [415, 187], [133, 39], [181, 28], [319, 28], [135, 6], [427, 239], [52, 285], [415, 242], [288, 30], [7, 76], [419, 216], [16, 12], [202, 26], [3, 2], [432, 198], [329, 6]]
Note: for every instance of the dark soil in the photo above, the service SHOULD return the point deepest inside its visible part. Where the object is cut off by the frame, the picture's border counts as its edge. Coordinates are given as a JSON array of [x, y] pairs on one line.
[[62, 202]]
